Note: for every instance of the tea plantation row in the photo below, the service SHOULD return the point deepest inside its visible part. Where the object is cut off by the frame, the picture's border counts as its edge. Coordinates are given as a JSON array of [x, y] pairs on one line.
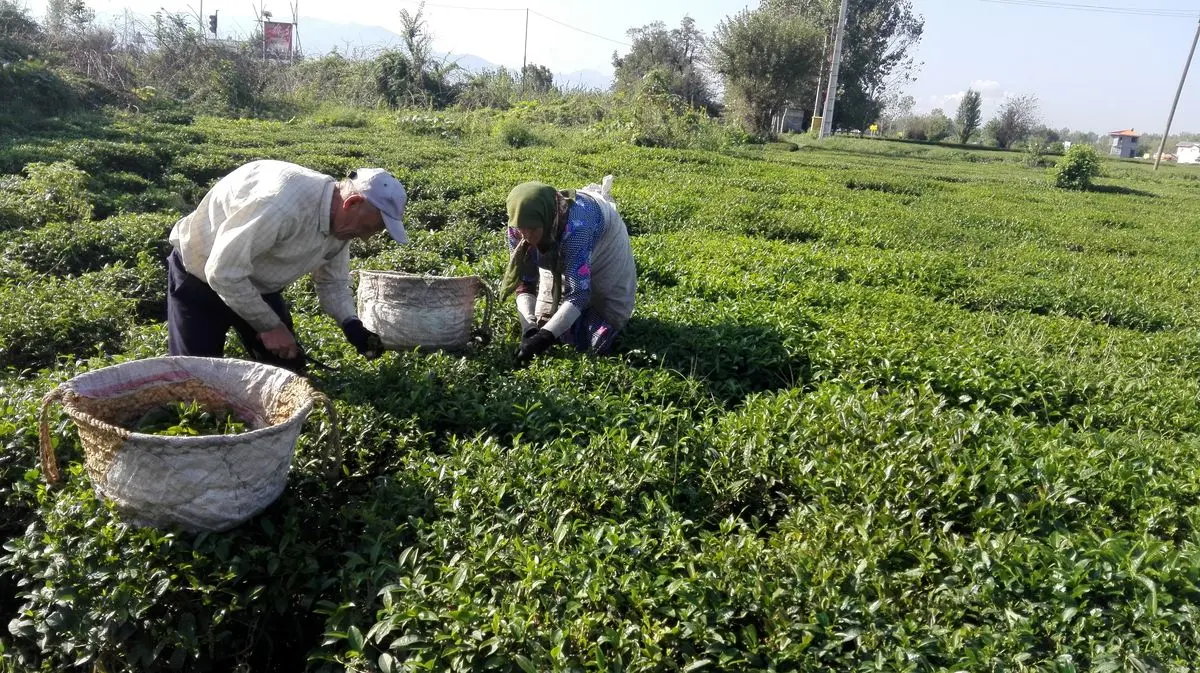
[[881, 407]]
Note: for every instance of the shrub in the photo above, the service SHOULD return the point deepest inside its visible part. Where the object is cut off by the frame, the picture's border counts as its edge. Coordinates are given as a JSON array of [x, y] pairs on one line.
[[515, 133], [340, 117], [1035, 153], [144, 281], [204, 168], [45, 318], [30, 88], [653, 117], [49, 192], [1078, 167], [73, 248], [99, 157]]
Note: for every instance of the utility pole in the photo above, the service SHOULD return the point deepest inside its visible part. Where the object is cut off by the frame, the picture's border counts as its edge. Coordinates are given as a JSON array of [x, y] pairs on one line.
[[820, 78], [1162, 146], [524, 53], [831, 95]]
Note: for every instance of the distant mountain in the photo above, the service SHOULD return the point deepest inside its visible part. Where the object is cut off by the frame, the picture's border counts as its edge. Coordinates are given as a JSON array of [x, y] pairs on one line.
[[583, 79], [319, 37]]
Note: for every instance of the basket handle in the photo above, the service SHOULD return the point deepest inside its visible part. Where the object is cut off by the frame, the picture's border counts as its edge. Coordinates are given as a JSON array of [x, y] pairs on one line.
[[333, 447], [489, 308], [49, 462]]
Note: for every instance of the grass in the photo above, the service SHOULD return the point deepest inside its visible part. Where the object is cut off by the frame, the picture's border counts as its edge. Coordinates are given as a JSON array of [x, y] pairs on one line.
[[882, 406]]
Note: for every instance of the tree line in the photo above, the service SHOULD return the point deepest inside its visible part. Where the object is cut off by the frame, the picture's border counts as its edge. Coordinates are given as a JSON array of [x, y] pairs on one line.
[[761, 59]]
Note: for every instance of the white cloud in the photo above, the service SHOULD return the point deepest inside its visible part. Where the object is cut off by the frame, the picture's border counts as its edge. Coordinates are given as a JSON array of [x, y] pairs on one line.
[[991, 93]]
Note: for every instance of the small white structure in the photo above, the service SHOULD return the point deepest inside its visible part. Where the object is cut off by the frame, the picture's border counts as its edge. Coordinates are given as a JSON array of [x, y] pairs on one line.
[[1124, 143], [1187, 153]]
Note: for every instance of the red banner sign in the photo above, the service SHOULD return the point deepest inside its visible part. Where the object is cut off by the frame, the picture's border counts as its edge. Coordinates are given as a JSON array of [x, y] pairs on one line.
[[277, 39]]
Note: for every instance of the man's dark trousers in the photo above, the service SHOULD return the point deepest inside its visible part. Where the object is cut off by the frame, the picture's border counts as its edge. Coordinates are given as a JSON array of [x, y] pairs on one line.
[[197, 319]]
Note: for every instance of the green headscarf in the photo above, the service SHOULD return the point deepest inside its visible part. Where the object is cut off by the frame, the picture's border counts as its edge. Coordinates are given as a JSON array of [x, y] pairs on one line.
[[534, 205]]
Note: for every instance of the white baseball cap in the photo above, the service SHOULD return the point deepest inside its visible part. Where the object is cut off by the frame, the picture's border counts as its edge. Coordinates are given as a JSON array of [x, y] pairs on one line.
[[385, 192]]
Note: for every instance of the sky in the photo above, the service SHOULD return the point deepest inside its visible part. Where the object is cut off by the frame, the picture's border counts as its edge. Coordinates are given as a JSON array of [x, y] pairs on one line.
[[1090, 70]]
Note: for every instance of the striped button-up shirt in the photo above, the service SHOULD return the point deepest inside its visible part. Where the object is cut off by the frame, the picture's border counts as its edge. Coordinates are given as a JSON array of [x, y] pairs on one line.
[[259, 229]]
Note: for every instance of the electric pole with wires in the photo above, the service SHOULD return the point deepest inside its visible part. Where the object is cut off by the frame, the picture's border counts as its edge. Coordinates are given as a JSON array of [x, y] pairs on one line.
[[1162, 146]]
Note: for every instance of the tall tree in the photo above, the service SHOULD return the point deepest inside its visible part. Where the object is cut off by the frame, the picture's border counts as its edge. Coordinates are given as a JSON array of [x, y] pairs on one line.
[[764, 60], [876, 52], [67, 16], [677, 52], [1016, 119], [537, 79], [969, 115]]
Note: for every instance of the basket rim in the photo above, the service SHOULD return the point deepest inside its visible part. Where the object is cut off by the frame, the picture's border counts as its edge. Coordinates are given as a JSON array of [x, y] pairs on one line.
[[422, 276], [82, 417]]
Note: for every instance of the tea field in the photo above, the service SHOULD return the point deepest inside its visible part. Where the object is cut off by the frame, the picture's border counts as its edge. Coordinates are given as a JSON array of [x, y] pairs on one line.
[[882, 406]]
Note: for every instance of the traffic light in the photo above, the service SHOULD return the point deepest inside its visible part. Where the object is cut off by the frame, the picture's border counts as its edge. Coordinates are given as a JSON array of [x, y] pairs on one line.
[[212, 23]]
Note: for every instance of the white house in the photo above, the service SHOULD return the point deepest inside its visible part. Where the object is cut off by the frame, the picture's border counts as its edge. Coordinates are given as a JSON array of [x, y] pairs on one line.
[[1188, 153]]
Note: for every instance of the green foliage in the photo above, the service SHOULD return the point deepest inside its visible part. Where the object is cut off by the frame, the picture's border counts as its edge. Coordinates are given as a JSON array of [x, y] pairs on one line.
[[1013, 123], [188, 419], [676, 53], [537, 80], [429, 125], [48, 192], [408, 77], [969, 115], [764, 59], [333, 77], [71, 248], [933, 127], [878, 52], [498, 89], [882, 405], [340, 117], [54, 316], [654, 117], [32, 88], [515, 133], [1035, 153], [1078, 167]]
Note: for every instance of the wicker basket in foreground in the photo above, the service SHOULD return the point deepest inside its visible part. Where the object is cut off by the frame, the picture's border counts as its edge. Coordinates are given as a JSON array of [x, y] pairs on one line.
[[210, 482]]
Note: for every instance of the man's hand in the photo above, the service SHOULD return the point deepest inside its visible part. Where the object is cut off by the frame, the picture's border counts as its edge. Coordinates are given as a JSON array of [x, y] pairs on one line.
[[367, 343], [280, 342], [534, 343]]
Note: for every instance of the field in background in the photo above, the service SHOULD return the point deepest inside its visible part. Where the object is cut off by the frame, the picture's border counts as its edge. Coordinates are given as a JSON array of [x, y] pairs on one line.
[[881, 407]]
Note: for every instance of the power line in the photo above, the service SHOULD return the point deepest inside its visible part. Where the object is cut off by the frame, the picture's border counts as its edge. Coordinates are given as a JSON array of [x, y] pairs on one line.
[[473, 9], [531, 11], [1099, 9], [585, 32]]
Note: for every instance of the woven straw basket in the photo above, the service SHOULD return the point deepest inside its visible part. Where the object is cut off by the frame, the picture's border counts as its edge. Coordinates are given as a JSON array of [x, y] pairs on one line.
[[212, 482], [409, 311]]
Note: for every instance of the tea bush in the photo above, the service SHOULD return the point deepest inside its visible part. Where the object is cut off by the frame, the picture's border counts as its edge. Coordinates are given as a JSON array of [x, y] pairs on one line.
[[45, 318], [48, 192], [72, 248], [882, 405], [515, 133]]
